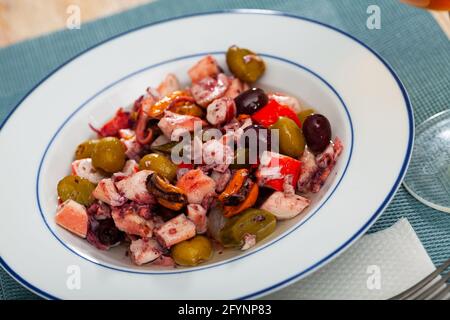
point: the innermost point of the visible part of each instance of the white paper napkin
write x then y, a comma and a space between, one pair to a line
377, 266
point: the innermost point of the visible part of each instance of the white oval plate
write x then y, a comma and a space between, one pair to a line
328, 69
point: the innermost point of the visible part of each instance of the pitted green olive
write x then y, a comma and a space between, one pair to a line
77, 189
192, 252
85, 149
159, 164
245, 64
292, 142
109, 155
260, 223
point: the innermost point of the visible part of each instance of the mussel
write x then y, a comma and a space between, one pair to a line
166, 193
240, 193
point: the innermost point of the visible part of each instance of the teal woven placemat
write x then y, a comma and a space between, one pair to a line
409, 39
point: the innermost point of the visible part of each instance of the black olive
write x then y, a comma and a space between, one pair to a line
250, 101
317, 132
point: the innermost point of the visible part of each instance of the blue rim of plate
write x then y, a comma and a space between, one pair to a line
260, 12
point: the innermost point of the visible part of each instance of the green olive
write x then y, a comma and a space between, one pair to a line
109, 155
190, 110
77, 189
245, 64
192, 252
85, 149
292, 141
160, 164
302, 115
260, 223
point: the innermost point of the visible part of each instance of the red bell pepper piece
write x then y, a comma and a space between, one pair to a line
270, 113
111, 128
186, 165
274, 168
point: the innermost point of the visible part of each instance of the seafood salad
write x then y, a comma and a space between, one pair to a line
192, 170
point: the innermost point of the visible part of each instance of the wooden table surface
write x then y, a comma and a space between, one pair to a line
24, 19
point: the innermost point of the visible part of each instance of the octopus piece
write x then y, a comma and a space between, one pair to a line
134, 187
206, 67
287, 101
217, 155
309, 168
175, 230
128, 220
144, 251
106, 191
221, 179
177, 123
144, 135
285, 206
221, 111
208, 89
99, 210
168, 85
130, 167
73, 216
133, 148
326, 162
236, 88
196, 185
197, 214
84, 169
249, 241
103, 234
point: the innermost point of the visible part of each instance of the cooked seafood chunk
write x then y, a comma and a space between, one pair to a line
73, 216
175, 230
285, 205
168, 85
196, 185
177, 123
84, 169
144, 251
221, 111
134, 187
197, 214
128, 220
208, 89
206, 67
106, 191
